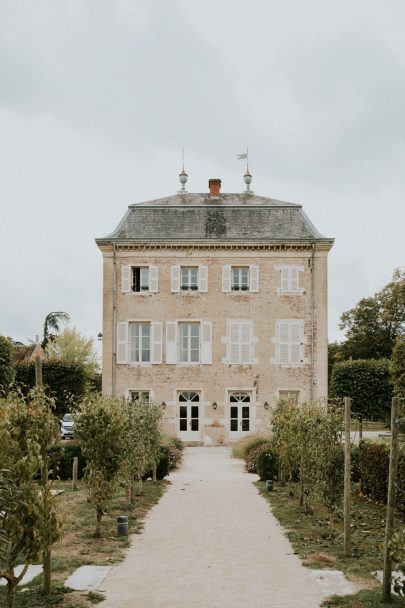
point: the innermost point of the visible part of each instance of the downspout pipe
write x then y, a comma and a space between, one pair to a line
114, 326
312, 321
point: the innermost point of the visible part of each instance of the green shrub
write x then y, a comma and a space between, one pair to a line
62, 460
250, 460
241, 448
66, 383
367, 382
266, 464
163, 466
398, 367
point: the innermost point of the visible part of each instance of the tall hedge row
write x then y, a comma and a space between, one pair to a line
367, 382
66, 383
6, 364
374, 466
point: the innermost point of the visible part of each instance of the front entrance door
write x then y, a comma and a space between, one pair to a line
189, 416
240, 422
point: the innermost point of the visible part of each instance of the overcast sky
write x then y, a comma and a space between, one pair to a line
98, 97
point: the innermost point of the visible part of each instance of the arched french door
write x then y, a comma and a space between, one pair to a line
189, 410
240, 414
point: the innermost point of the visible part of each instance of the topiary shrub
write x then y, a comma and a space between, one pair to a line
6, 365
250, 460
266, 464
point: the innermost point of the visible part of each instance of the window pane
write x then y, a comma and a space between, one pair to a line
144, 277
146, 356
195, 356
183, 424
183, 411
195, 329
194, 424
183, 356
245, 411
234, 425
194, 411
245, 425
234, 411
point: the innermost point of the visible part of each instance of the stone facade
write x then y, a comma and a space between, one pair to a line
213, 400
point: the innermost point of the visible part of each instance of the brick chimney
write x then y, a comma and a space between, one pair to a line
215, 187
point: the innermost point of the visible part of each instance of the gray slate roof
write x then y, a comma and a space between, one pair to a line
199, 218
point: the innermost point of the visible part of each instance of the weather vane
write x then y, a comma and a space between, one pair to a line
247, 177
183, 177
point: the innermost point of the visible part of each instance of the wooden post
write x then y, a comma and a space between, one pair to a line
346, 494
46, 556
389, 524
360, 427
154, 474
74, 472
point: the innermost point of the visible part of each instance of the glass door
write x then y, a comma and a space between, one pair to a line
189, 416
239, 415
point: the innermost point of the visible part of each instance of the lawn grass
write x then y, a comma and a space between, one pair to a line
78, 547
309, 536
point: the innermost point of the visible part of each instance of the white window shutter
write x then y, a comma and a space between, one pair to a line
122, 342
206, 342
126, 279
156, 341
294, 279
175, 279
245, 334
203, 278
226, 277
171, 341
285, 282
233, 342
254, 278
284, 342
153, 279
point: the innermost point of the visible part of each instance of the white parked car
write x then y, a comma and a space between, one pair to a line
66, 426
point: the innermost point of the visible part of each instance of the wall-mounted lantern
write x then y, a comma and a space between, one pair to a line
163, 405
266, 405
214, 405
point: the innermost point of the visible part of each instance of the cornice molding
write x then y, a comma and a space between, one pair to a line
318, 246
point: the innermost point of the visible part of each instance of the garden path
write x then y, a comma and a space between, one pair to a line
211, 542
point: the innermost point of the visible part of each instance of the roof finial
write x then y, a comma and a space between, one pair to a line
183, 177
248, 176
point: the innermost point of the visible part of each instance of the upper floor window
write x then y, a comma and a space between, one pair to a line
139, 279
240, 278
290, 279
239, 342
139, 342
189, 342
189, 278
290, 342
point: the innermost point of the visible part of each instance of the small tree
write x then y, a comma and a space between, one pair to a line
52, 324
29, 524
71, 347
99, 425
398, 368
142, 443
6, 364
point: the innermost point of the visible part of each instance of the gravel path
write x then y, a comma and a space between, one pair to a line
211, 542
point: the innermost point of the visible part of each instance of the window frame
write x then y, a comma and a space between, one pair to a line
139, 392
180, 326
188, 285
140, 349
240, 286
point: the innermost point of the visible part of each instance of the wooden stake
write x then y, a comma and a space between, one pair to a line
38, 371
154, 474
346, 494
389, 524
74, 472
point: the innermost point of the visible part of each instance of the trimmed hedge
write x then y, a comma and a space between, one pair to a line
6, 364
374, 467
62, 460
66, 383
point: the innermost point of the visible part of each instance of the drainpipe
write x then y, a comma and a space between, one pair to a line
114, 326
312, 320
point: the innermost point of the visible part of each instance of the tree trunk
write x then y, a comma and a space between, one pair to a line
301, 494
11, 591
97, 530
131, 492
140, 486
154, 474
331, 522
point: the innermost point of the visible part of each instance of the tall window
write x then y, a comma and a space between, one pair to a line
189, 278
139, 342
240, 278
140, 278
189, 342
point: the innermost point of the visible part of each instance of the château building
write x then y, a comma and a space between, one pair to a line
214, 306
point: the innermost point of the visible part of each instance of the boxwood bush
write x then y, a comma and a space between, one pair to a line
266, 464
251, 457
374, 467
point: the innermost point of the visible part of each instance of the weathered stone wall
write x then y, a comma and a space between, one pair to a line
214, 381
